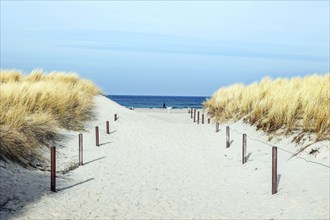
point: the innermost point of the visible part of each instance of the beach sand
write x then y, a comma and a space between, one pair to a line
158, 164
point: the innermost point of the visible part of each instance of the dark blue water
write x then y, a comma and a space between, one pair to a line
158, 101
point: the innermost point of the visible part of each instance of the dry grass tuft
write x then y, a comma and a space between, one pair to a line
34, 106
8, 76
292, 105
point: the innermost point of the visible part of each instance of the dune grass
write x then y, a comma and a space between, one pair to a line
33, 107
297, 105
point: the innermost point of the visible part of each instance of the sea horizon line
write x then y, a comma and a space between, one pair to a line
203, 96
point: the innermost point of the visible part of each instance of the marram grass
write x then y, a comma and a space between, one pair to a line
34, 106
300, 105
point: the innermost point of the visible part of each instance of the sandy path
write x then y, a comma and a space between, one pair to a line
161, 165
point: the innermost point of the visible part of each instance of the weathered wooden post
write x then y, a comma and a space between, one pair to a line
208, 120
80, 149
115, 117
227, 137
194, 115
53, 169
97, 136
274, 170
244, 149
191, 113
217, 127
107, 127
202, 118
198, 117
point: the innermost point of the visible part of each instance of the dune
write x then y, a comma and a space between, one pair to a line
161, 165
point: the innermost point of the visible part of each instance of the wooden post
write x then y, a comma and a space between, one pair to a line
208, 120
194, 115
81, 149
217, 127
227, 137
202, 118
107, 127
191, 113
97, 136
115, 117
244, 149
198, 117
274, 170
53, 169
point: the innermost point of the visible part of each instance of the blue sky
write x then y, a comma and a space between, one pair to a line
167, 47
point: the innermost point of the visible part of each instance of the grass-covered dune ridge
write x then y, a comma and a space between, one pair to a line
34, 106
282, 105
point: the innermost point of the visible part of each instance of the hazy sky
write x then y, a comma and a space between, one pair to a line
167, 47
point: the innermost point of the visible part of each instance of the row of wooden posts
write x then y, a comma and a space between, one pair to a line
80, 136
244, 158
193, 115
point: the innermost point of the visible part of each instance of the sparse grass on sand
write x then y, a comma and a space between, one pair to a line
297, 105
34, 106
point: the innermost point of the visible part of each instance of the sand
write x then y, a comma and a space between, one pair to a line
158, 164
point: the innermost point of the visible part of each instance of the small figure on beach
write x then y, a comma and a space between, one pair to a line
164, 106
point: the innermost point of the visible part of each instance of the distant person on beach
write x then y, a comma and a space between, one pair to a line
164, 106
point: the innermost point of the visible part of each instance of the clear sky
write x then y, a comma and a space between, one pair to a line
167, 47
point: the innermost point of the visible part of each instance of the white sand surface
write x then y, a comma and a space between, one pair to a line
158, 164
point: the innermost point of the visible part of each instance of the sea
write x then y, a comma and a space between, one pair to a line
171, 102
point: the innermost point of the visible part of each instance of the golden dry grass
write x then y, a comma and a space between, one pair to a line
297, 104
34, 106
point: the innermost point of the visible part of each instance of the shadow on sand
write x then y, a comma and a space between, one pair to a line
248, 157
278, 180
100, 158
231, 142
76, 184
20, 187
105, 143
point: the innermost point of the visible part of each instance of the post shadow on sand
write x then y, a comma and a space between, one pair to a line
111, 132
105, 143
278, 181
91, 161
231, 142
76, 184
27, 191
248, 156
